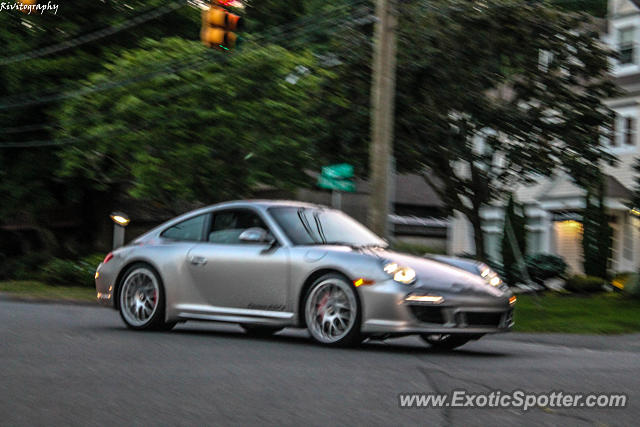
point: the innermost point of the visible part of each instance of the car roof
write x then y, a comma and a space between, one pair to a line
266, 203
261, 203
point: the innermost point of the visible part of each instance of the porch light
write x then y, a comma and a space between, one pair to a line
120, 221
120, 218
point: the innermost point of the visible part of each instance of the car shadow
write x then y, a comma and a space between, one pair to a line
299, 337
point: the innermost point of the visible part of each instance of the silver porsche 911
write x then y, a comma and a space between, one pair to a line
267, 265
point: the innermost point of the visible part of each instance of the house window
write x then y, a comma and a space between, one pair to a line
534, 242
625, 45
629, 130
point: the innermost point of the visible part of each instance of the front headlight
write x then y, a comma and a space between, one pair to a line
490, 276
401, 274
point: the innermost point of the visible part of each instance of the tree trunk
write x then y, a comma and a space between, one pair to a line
480, 197
478, 235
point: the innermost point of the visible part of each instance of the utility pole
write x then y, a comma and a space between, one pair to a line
382, 111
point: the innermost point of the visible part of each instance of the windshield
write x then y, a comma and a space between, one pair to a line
317, 226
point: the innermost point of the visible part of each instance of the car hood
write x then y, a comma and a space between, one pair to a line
437, 276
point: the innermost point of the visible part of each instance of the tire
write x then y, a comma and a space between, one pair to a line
332, 311
260, 331
142, 300
446, 341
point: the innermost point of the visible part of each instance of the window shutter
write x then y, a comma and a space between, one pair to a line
612, 137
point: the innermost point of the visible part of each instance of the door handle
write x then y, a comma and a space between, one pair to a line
198, 260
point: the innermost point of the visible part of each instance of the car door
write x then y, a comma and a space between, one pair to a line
234, 274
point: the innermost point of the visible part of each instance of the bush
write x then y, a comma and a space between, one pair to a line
25, 267
628, 282
584, 284
71, 273
543, 267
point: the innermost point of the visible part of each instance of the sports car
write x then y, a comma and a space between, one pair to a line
267, 265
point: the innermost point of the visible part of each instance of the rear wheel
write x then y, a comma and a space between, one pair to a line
332, 311
142, 300
447, 341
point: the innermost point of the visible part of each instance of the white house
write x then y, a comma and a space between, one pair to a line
554, 205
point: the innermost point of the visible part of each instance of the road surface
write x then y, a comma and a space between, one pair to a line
78, 365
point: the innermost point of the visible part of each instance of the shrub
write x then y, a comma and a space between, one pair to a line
542, 267
71, 273
25, 267
584, 284
628, 282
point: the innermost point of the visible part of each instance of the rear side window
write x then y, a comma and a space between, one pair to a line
227, 226
190, 229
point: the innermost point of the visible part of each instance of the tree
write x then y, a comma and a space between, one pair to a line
29, 186
499, 94
596, 234
203, 134
515, 218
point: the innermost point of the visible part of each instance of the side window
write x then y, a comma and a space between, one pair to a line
227, 226
190, 229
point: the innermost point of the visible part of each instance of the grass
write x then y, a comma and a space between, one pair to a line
30, 289
595, 314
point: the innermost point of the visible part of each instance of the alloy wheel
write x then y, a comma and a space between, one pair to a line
331, 310
139, 297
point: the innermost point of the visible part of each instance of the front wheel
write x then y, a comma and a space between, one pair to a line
142, 300
332, 311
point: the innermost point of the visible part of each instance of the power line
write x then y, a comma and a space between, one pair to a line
96, 35
70, 140
171, 67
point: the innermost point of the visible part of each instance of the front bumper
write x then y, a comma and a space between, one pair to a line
386, 311
106, 275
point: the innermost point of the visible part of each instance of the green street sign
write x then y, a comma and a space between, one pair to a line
336, 184
340, 171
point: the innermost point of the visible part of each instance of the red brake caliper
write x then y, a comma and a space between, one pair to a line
322, 303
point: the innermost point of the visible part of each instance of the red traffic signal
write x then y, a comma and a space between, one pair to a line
218, 26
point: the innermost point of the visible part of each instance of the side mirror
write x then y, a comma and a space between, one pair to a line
255, 235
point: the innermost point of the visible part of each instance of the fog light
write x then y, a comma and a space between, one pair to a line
432, 299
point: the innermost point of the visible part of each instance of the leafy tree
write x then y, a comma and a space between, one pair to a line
203, 134
596, 8
499, 94
597, 234
515, 218
29, 187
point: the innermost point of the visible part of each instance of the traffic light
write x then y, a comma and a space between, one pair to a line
28, 5
218, 26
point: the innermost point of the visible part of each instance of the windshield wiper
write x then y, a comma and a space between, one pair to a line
319, 227
306, 225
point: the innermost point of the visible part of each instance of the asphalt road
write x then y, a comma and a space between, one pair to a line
78, 365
